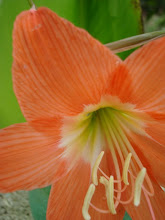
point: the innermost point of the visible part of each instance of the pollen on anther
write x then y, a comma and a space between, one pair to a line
125, 169
87, 200
95, 168
110, 195
138, 185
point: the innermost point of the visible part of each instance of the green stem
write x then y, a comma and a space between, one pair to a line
31, 3
135, 41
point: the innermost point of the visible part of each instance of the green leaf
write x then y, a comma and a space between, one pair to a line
126, 217
38, 202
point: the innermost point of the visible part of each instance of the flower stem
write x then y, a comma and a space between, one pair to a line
31, 3
135, 41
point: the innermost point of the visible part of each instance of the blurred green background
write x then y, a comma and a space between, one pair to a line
106, 20
153, 14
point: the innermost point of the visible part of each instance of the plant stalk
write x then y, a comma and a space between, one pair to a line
135, 41
31, 3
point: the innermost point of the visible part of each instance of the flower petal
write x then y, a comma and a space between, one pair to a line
48, 126
120, 83
140, 79
67, 195
28, 159
152, 155
142, 211
57, 67
146, 66
157, 131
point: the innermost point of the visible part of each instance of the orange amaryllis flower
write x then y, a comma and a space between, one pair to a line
94, 122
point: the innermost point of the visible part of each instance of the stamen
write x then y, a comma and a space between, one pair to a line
122, 190
99, 210
95, 168
107, 177
110, 195
109, 188
125, 169
138, 185
148, 193
150, 206
125, 202
132, 194
151, 187
87, 200
130, 148
104, 181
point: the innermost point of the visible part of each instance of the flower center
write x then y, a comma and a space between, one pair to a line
107, 127
100, 127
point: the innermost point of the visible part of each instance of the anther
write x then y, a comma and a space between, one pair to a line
110, 195
87, 200
138, 185
109, 188
125, 169
95, 168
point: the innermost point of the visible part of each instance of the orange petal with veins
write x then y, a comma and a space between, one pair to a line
142, 212
140, 79
146, 66
152, 156
67, 195
157, 131
29, 159
58, 68
48, 126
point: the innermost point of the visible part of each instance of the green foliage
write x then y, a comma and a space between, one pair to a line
106, 20
38, 202
155, 22
151, 7
9, 109
126, 217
